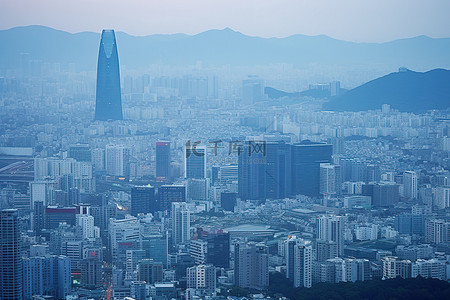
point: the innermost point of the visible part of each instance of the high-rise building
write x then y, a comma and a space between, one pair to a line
198, 249
393, 267
124, 232
251, 266
168, 194
289, 248
195, 161
218, 249
11, 269
162, 160
410, 188
442, 197
42, 191
331, 228
326, 250
303, 264
437, 231
156, 247
264, 170
143, 200
91, 268
252, 90
150, 271
383, 193
306, 159
46, 275
80, 152
108, 98
181, 223
228, 200
198, 189
117, 160
201, 277
330, 179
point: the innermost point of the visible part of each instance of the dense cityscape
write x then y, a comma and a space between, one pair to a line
192, 183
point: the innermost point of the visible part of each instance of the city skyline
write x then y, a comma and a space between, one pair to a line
222, 165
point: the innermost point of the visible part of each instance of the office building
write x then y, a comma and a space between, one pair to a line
117, 160
201, 277
143, 200
11, 268
124, 234
252, 90
330, 179
108, 105
88, 230
168, 194
303, 264
442, 197
156, 247
195, 161
181, 223
264, 170
437, 231
383, 194
306, 159
410, 188
80, 152
91, 269
163, 161
326, 250
150, 271
251, 266
198, 249
46, 275
218, 249
42, 191
331, 228
228, 200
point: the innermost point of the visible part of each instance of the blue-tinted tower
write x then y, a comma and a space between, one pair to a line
108, 100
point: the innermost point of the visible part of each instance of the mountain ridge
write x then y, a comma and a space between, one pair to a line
406, 90
219, 47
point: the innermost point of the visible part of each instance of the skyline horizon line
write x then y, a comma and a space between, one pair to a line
224, 29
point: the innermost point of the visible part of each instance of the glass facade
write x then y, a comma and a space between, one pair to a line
108, 98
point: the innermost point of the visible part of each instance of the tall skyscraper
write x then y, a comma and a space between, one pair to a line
331, 228
10, 256
195, 161
143, 200
108, 98
264, 171
162, 160
306, 159
181, 223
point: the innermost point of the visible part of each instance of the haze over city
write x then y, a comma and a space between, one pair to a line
158, 150
351, 20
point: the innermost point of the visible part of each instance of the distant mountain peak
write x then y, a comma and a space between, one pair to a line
406, 90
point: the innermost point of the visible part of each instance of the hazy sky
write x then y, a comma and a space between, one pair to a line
355, 20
